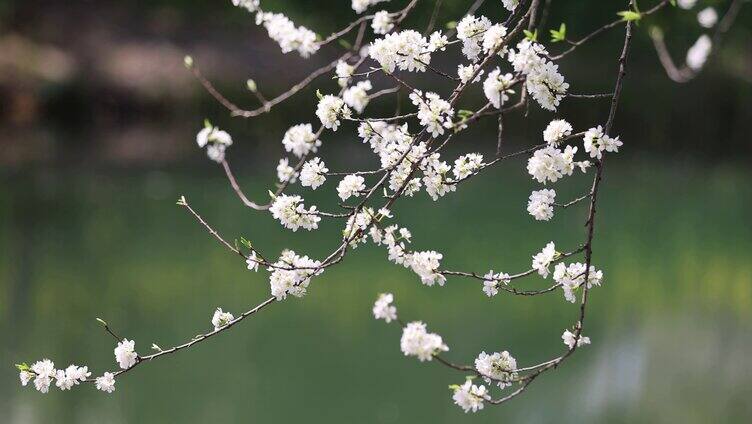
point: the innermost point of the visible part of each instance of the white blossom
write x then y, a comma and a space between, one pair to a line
572, 276
253, 261
360, 6
510, 5
540, 204
466, 165
301, 140
289, 37
249, 5
106, 383
493, 37
686, 4
470, 397
383, 308
556, 130
596, 142
465, 72
707, 18
551, 164
497, 87
569, 339
125, 354
285, 172
330, 109
434, 112
215, 140
71, 376
382, 22
351, 185
357, 96
491, 282
344, 72
417, 341
425, 264
221, 318
407, 50
313, 173
471, 31
45, 371
437, 41
698, 54
292, 214
291, 274
543, 259
497, 367
25, 377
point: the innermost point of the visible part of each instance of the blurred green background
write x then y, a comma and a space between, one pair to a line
98, 116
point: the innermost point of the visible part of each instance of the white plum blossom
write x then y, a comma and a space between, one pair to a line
510, 5
215, 140
550, 164
71, 376
437, 41
707, 18
106, 382
569, 339
221, 318
351, 185
406, 50
25, 376
125, 354
491, 282
556, 130
572, 276
360, 6
493, 38
497, 87
382, 22
596, 142
425, 265
540, 204
544, 82
498, 367
417, 341
253, 261
301, 140
44, 371
313, 173
543, 259
383, 308
249, 5
466, 165
471, 31
285, 172
282, 30
465, 72
470, 397
291, 274
686, 4
330, 109
344, 72
292, 214
698, 54
357, 96
434, 112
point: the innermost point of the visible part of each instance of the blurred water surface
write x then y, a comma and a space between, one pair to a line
671, 325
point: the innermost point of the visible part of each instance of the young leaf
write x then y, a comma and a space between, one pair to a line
630, 15
532, 36
559, 35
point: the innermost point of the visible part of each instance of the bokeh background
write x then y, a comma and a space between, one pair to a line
98, 117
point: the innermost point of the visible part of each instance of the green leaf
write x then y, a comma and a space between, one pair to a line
251, 84
464, 113
673, 2
246, 243
630, 15
559, 35
22, 367
532, 36
344, 43
101, 321
319, 95
451, 25
207, 124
